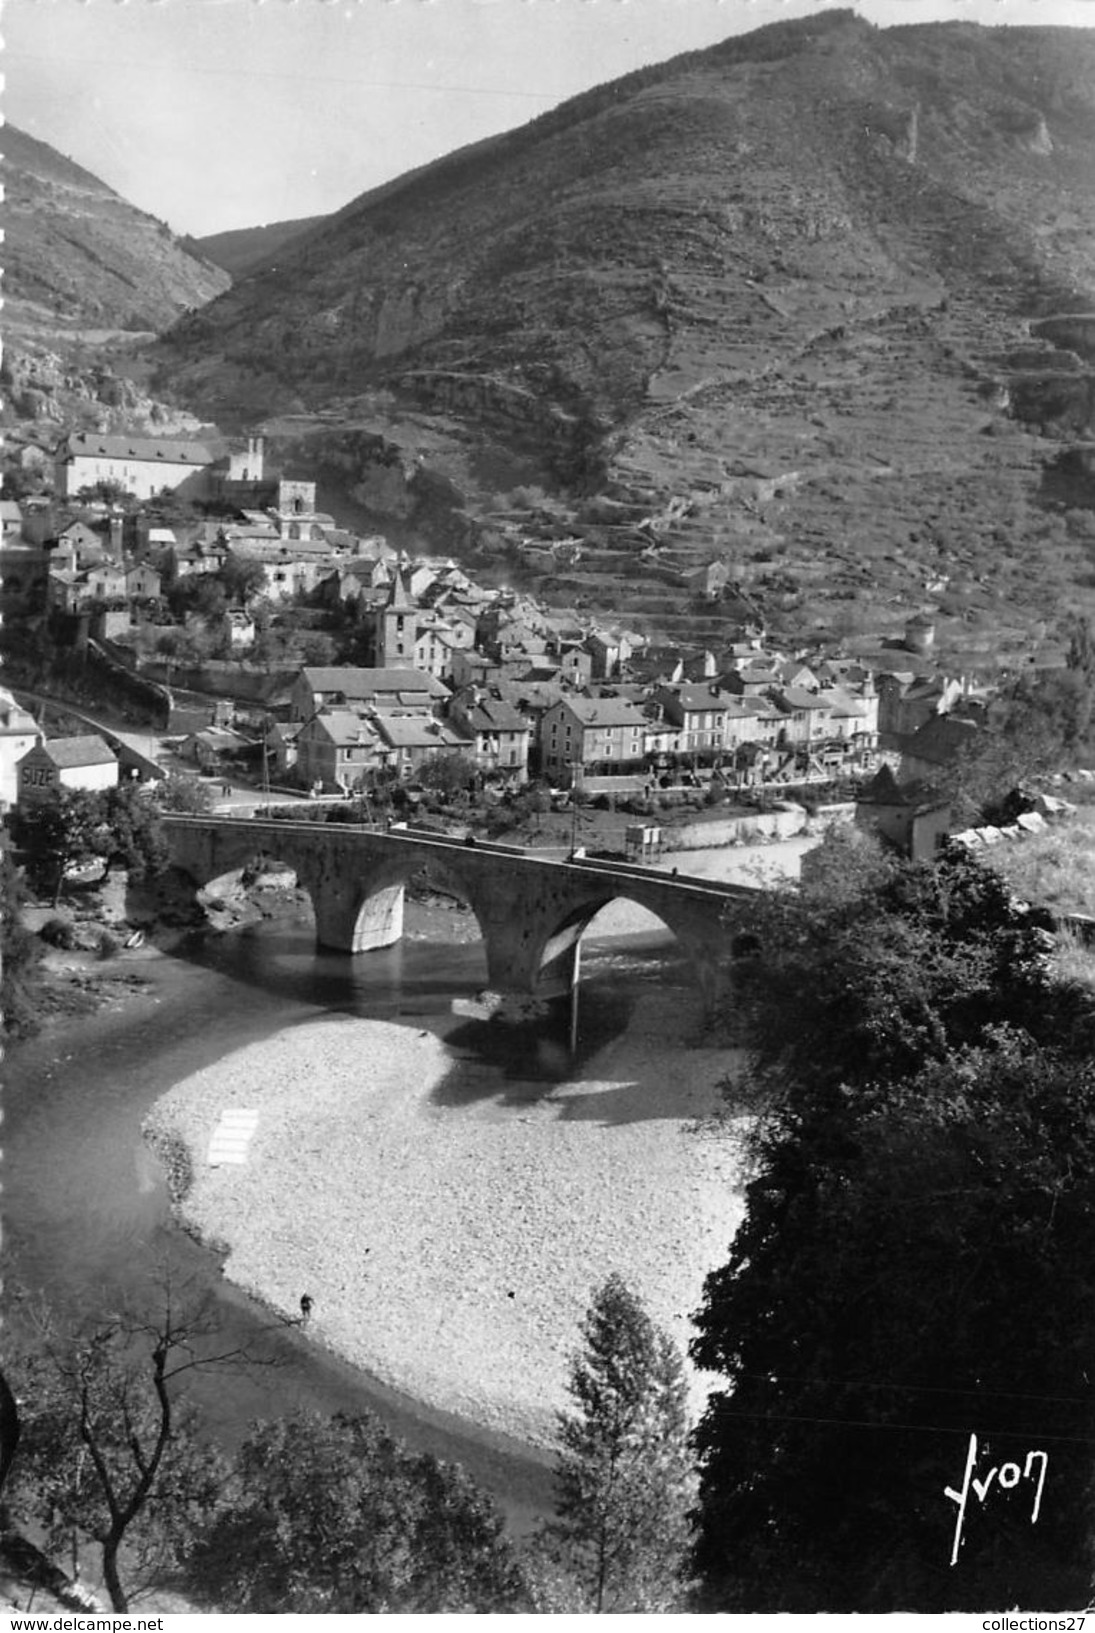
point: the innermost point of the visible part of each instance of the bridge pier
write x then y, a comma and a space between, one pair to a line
357, 925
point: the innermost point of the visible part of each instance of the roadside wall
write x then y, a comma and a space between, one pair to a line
747, 830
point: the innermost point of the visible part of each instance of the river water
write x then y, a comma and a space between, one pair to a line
86, 1216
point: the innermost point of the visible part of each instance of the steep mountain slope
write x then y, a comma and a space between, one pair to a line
84, 272
765, 299
75, 251
247, 249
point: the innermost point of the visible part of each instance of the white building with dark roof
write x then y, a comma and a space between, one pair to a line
143, 466
66, 762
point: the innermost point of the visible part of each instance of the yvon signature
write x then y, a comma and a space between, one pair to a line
1008, 1476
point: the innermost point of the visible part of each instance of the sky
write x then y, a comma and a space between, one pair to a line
217, 114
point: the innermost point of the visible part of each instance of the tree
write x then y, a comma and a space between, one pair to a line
109, 1446
129, 833
332, 1515
914, 1267
20, 955
56, 834
242, 579
874, 966
448, 774
624, 1478
916, 1177
199, 593
183, 794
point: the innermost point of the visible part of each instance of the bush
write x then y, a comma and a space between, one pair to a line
109, 945
58, 932
175, 1159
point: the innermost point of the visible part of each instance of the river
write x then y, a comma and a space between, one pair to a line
86, 1216
87, 1222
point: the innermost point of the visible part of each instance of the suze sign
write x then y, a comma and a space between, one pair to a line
38, 776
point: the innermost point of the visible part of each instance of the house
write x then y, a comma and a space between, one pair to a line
216, 747
19, 732
753, 680
207, 553
500, 732
806, 716
281, 746
751, 720
907, 702
586, 736
241, 629
66, 762
708, 582
407, 741
103, 583
910, 817
315, 689
142, 582
77, 547
576, 667
11, 520
853, 717
336, 750
290, 567
471, 668
143, 466
699, 714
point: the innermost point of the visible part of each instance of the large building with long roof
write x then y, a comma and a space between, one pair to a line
143, 466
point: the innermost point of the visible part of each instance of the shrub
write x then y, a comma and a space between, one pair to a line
175, 1159
58, 932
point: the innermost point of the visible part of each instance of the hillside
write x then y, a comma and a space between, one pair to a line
774, 302
84, 272
247, 249
77, 252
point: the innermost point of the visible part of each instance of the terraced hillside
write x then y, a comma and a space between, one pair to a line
772, 303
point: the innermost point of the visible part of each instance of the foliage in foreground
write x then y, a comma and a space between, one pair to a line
334, 1516
117, 826
20, 953
914, 1266
624, 1473
109, 1445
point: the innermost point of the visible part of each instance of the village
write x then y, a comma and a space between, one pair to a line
385, 669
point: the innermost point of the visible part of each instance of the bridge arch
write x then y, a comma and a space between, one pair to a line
374, 906
553, 953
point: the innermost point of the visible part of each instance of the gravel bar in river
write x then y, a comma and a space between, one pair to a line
450, 1241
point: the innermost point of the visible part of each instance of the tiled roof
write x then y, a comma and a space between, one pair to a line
695, 697
794, 697
492, 714
69, 752
366, 683
341, 727
604, 711
154, 450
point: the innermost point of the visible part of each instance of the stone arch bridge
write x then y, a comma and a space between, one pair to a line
531, 910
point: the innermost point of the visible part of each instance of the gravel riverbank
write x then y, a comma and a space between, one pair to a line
450, 1228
